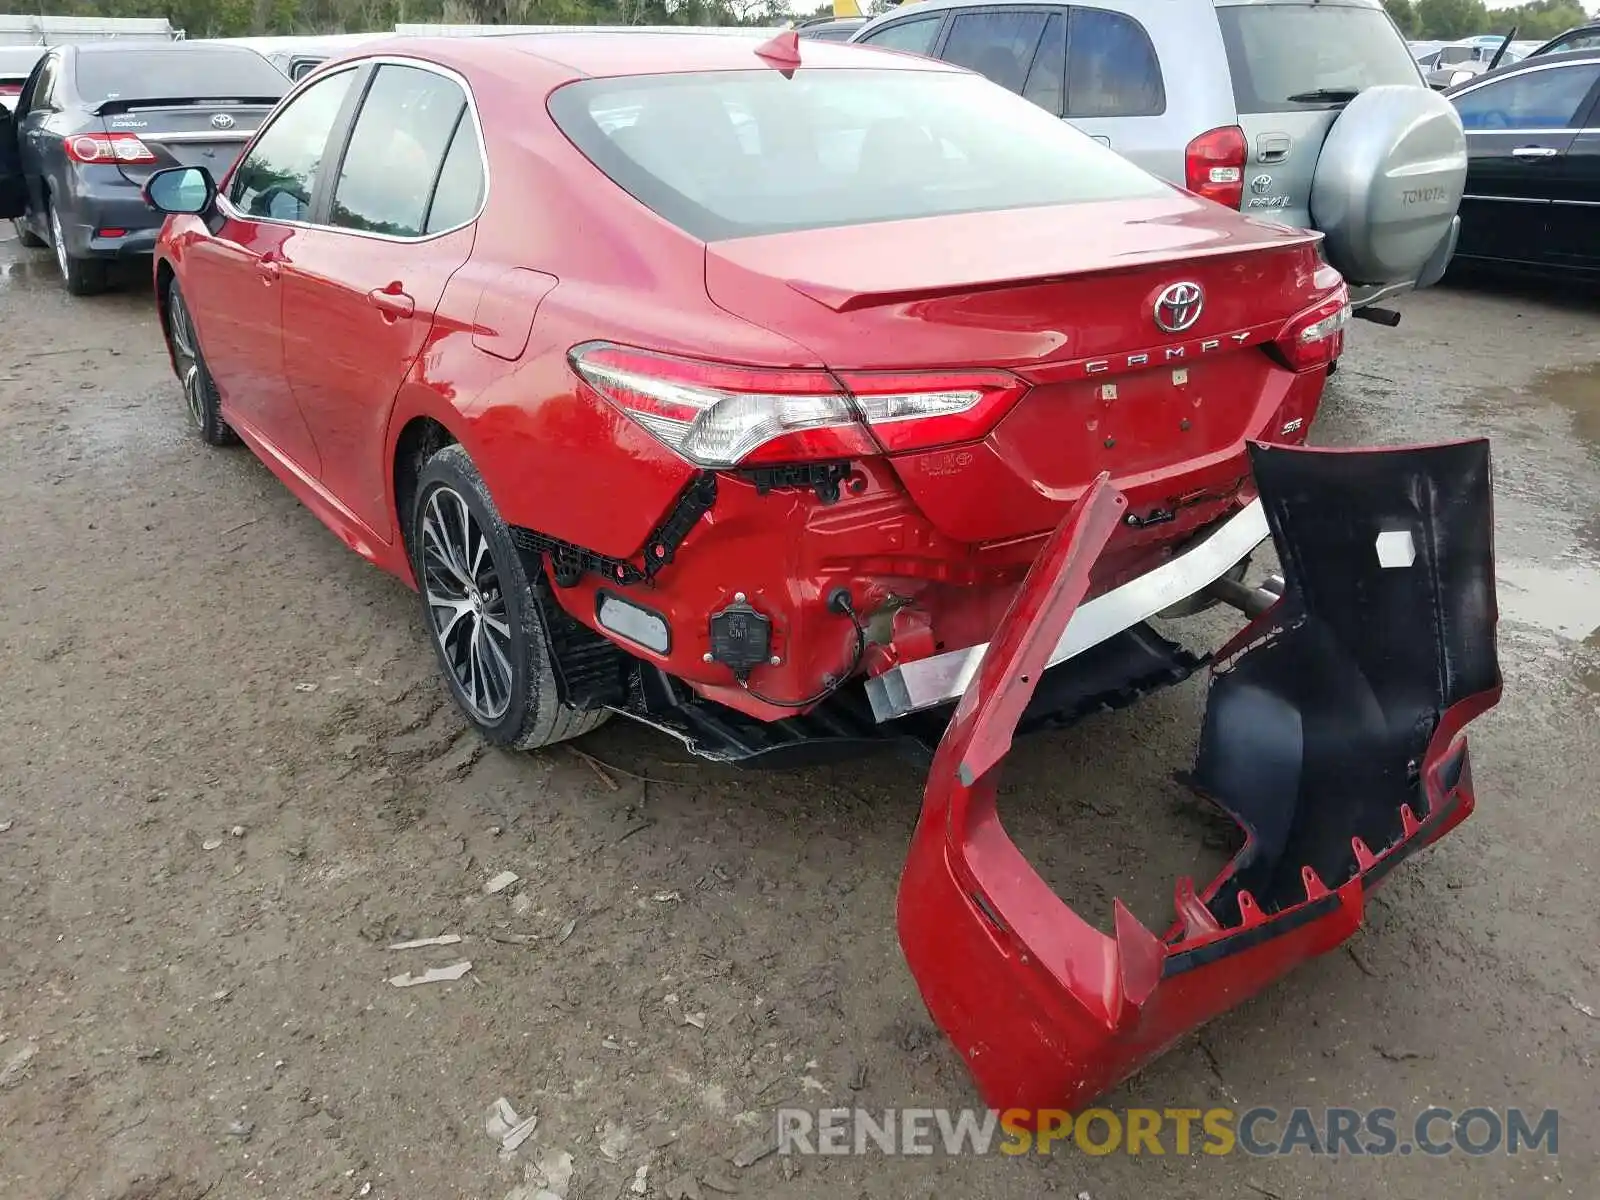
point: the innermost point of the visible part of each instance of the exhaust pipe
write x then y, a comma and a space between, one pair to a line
1251, 601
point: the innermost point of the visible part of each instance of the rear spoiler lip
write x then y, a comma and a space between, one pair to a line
124, 104
844, 299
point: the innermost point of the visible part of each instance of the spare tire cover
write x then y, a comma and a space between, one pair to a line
1388, 182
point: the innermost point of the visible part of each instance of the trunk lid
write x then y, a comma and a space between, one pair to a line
1065, 297
185, 133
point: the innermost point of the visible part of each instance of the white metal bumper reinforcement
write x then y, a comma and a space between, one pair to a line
942, 678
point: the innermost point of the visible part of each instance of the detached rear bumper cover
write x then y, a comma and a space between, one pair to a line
1332, 735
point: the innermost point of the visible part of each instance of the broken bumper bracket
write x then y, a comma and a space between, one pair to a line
1333, 736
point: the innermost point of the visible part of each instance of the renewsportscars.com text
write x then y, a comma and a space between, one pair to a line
1433, 1131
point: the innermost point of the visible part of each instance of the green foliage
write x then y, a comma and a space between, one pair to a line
1447, 20
1442, 20
240, 18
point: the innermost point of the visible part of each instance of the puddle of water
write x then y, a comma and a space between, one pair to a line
1576, 389
19, 273
1562, 599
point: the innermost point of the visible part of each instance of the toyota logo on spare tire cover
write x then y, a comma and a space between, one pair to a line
1178, 307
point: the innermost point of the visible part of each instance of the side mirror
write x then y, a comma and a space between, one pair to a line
181, 190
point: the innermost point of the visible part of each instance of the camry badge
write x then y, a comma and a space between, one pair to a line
1178, 307
222, 121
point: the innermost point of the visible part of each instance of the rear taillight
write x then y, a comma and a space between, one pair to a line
1315, 337
10, 89
108, 148
720, 415
920, 409
1213, 165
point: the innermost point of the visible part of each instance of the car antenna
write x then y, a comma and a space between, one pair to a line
1500, 53
781, 51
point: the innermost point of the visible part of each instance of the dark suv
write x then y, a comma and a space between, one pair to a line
94, 121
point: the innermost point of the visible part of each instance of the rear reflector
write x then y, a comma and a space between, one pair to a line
108, 148
642, 626
721, 415
1213, 165
110, 233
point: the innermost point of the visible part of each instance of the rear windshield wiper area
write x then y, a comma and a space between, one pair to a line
1325, 96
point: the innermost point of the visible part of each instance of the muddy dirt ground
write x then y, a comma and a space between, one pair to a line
228, 779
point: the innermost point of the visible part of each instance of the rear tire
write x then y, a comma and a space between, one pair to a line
199, 389
26, 236
481, 614
82, 276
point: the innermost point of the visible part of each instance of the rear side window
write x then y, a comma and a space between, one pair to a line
399, 140
736, 153
189, 73
1044, 86
1285, 57
459, 192
1547, 99
913, 37
275, 179
1111, 67
997, 45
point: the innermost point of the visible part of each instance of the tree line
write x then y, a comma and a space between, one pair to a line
1443, 20
243, 18
1447, 20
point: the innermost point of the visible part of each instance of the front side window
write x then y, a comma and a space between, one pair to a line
997, 45
1111, 67
1547, 99
728, 154
276, 178
396, 148
912, 37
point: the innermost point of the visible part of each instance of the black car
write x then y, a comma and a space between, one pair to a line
94, 121
1533, 170
1580, 37
830, 29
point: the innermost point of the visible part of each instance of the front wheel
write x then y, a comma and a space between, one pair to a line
199, 389
82, 276
481, 614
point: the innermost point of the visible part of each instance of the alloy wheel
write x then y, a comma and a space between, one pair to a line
467, 604
59, 241
187, 357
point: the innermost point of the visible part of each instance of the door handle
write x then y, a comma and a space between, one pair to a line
393, 303
269, 269
1534, 152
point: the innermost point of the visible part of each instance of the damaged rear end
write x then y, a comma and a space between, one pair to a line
1332, 736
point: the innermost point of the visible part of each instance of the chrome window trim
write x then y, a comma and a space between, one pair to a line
230, 135
1508, 199
400, 60
1536, 132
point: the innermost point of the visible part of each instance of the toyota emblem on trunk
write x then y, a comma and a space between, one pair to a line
222, 121
1178, 307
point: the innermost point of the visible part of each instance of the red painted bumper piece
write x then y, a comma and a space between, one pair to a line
1332, 736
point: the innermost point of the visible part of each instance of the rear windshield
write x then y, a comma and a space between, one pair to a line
737, 153
1280, 50
191, 73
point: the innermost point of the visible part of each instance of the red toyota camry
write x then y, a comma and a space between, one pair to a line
782, 395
